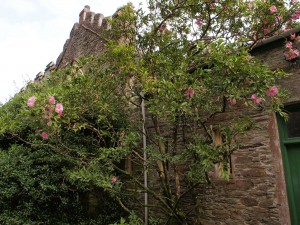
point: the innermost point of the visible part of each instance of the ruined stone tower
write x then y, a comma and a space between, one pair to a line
85, 40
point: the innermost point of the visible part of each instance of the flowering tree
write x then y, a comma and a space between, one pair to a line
188, 61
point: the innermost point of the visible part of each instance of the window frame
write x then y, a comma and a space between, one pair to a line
284, 142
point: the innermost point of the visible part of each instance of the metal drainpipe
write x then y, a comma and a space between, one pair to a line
145, 159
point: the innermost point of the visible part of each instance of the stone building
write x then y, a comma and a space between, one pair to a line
264, 187
84, 40
265, 183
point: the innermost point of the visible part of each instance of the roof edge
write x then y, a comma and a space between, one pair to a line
275, 38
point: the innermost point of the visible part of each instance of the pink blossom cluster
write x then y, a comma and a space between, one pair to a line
199, 22
50, 111
44, 135
31, 102
296, 15
162, 27
52, 100
255, 99
289, 45
278, 18
271, 92
189, 93
293, 36
58, 109
267, 31
113, 180
292, 53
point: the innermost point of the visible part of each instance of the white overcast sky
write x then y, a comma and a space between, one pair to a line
33, 33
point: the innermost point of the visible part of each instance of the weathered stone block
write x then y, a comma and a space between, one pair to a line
249, 202
257, 172
244, 185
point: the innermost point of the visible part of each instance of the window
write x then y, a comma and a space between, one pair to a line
293, 124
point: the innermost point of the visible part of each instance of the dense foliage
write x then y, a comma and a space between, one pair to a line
79, 132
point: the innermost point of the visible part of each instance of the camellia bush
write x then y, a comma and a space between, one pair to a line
72, 144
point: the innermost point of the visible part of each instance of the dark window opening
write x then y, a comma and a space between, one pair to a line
293, 124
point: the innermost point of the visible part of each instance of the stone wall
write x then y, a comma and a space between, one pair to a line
256, 192
250, 196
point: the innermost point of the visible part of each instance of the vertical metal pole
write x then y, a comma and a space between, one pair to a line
145, 159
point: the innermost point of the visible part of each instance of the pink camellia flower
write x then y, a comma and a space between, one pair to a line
162, 27
273, 9
189, 93
199, 22
31, 102
44, 135
49, 122
59, 108
291, 54
289, 45
266, 31
278, 18
255, 99
293, 36
113, 180
50, 109
232, 101
253, 96
272, 91
52, 100
296, 15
